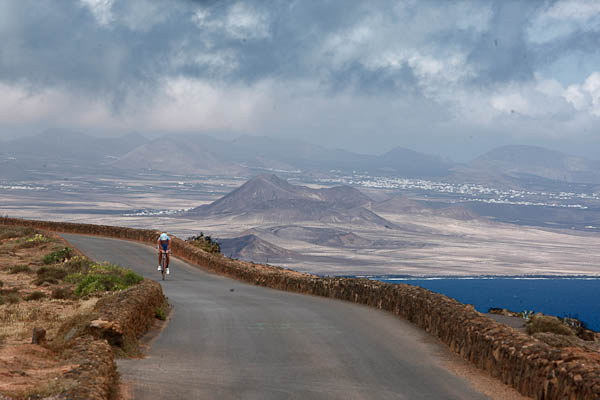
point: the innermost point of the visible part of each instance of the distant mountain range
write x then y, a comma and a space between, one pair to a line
61, 145
507, 166
268, 198
524, 162
203, 154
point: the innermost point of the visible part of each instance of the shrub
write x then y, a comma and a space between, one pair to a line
15, 269
52, 274
77, 264
102, 278
35, 239
206, 243
12, 298
58, 256
35, 296
61, 293
547, 323
15, 232
160, 312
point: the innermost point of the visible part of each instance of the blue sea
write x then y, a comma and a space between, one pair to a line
576, 297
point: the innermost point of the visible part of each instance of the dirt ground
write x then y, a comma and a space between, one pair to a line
30, 369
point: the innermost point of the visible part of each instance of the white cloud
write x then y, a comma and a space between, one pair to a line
51, 107
101, 9
576, 10
244, 22
564, 18
586, 96
240, 22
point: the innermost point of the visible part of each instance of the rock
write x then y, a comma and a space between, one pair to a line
101, 324
70, 334
555, 340
39, 336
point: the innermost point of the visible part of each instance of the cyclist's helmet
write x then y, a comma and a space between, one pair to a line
163, 237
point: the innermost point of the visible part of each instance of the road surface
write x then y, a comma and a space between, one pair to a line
229, 340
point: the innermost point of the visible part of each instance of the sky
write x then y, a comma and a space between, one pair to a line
454, 78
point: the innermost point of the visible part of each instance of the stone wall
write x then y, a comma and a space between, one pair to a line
534, 368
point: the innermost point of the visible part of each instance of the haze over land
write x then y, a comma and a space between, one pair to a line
384, 219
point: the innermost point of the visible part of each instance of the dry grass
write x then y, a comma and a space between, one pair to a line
29, 371
548, 324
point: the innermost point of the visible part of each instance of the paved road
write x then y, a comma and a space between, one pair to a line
259, 343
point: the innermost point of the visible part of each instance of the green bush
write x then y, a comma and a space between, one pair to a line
77, 264
32, 241
102, 278
58, 256
15, 269
547, 323
160, 312
35, 296
206, 243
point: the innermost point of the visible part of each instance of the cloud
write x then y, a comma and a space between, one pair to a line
367, 75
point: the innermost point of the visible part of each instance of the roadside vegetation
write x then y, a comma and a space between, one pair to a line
44, 284
206, 243
555, 331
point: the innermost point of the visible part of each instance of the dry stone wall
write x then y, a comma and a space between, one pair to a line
534, 368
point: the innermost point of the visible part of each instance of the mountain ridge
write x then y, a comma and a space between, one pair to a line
267, 197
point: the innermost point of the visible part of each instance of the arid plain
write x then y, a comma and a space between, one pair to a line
420, 242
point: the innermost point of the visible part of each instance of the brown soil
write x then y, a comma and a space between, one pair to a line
28, 369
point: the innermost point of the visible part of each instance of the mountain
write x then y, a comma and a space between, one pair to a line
178, 157
523, 163
268, 198
252, 248
268, 191
68, 145
411, 164
256, 153
320, 236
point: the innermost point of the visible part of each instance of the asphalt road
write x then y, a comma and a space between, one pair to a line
260, 343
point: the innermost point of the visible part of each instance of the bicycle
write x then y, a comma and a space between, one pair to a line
163, 263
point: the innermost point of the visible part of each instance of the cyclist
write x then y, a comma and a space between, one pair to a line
164, 246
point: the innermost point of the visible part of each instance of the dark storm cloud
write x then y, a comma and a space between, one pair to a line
502, 54
62, 43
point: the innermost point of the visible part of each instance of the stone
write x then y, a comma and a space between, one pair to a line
70, 334
101, 324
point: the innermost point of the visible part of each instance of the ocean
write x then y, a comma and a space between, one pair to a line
576, 297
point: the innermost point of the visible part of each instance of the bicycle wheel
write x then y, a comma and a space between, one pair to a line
163, 262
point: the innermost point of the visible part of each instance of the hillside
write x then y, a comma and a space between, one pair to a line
524, 163
411, 164
261, 153
252, 248
321, 236
177, 157
267, 198
67, 145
